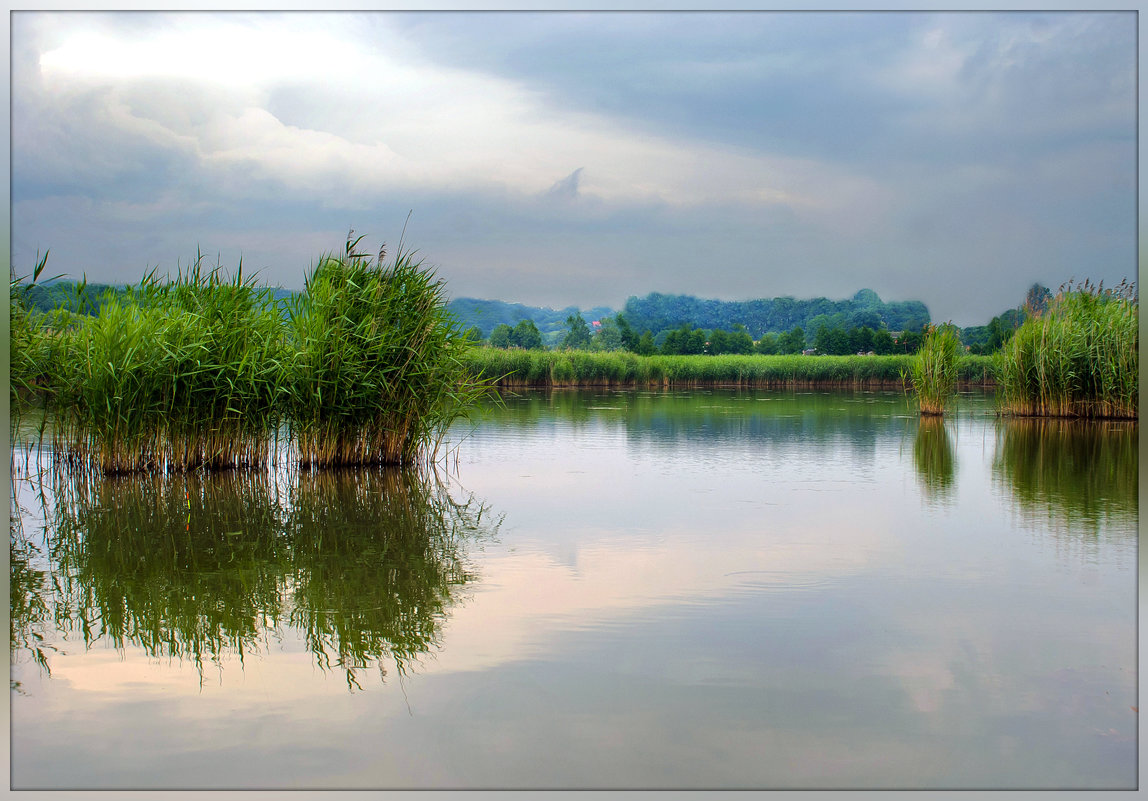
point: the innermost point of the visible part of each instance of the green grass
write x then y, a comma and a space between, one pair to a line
933, 372
205, 371
1080, 358
374, 373
521, 368
169, 376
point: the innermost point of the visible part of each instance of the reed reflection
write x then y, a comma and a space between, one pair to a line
30, 617
934, 459
365, 565
1079, 475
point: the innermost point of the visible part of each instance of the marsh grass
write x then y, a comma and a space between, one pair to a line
29, 347
933, 371
514, 368
174, 376
1079, 358
375, 371
209, 371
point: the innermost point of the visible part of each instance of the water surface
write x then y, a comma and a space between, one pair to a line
707, 589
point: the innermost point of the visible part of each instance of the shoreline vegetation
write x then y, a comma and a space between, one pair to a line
934, 371
572, 369
1080, 357
367, 366
210, 371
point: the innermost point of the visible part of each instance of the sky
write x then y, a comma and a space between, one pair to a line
561, 159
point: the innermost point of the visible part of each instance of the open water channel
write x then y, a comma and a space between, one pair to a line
703, 589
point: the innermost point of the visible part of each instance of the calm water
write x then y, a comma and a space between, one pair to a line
609, 589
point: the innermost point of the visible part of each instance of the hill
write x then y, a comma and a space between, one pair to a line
486, 314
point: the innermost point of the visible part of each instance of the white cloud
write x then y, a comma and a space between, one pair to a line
390, 119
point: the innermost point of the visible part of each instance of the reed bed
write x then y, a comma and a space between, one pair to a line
1079, 358
210, 371
29, 349
375, 368
933, 372
170, 376
521, 368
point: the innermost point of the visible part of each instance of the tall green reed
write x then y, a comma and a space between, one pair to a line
172, 375
1079, 358
375, 373
934, 370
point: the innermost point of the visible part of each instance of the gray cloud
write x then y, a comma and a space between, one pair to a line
954, 158
565, 189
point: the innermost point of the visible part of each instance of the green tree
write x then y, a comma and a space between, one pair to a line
629, 336
832, 341
792, 341
910, 341
474, 334
646, 346
577, 334
736, 341
718, 342
526, 336
608, 336
500, 336
684, 341
767, 344
861, 340
1036, 299
883, 344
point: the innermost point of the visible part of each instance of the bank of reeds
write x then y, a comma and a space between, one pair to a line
169, 376
375, 373
1078, 358
206, 371
516, 368
28, 347
933, 371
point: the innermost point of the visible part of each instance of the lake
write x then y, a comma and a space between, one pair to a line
599, 589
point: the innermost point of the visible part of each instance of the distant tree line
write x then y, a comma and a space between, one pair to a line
861, 324
658, 312
616, 333
830, 336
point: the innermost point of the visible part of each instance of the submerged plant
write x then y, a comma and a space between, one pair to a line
934, 369
1079, 358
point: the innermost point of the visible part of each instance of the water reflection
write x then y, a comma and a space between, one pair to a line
1074, 475
30, 617
364, 565
934, 459
828, 421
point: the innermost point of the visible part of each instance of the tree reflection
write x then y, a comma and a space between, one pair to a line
1076, 474
934, 459
365, 565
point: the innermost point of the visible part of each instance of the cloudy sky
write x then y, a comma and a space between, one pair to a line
580, 158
